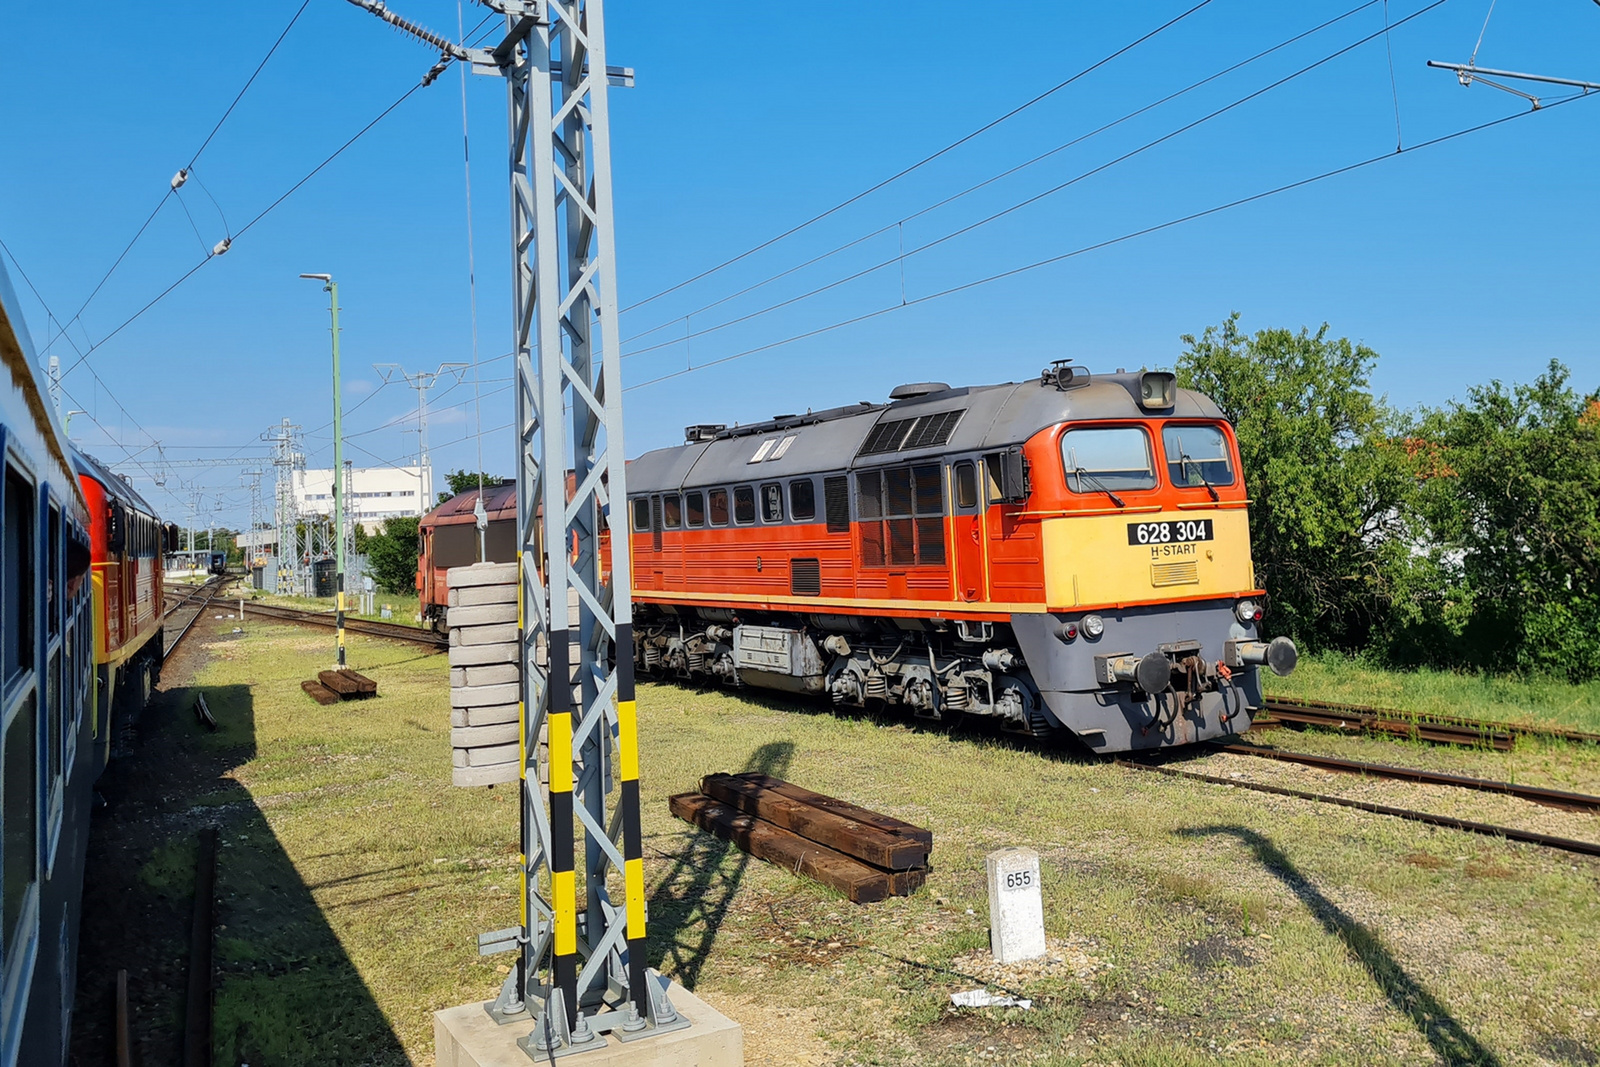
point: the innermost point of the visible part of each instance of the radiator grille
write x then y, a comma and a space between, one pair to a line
805, 577
1174, 573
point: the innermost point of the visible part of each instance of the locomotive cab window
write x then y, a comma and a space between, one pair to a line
672, 511
772, 502
718, 500
641, 514
744, 505
802, 500
1102, 459
694, 506
1197, 456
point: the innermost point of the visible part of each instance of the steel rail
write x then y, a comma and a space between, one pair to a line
1555, 798
200, 609
1508, 833
1446, 728
1354, 719
392, 630
191, 592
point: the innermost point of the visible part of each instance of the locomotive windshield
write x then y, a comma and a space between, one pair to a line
1196, 456
1106, 458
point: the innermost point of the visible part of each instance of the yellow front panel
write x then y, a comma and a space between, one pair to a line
1088, 561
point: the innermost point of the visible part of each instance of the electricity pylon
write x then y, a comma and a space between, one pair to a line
578, 983
422, 381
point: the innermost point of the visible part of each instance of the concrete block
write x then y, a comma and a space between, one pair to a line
501, 674
483, 757
1016, 907
484, 655
482, 574
482, 614
458, 717
497, 774
467, 1037
474, 595
478, 736
483, 635
489, 716
478, 696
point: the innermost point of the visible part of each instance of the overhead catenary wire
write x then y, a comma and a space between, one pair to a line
1009, 172
173, 188
1037, 197
1142, 232
924, 161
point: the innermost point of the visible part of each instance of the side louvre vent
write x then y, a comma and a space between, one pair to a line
805, 577
655, 523
836, 501
924, 431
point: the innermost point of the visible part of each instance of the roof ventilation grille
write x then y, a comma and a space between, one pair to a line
912, 390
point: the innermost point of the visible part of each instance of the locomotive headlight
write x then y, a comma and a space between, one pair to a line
1248, 611
1093, 626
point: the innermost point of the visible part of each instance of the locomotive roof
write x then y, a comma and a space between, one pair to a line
977, 418
499, 501
115, 486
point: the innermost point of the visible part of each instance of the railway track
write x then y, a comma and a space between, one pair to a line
199, 599
1508, 833
393, 630
1437, 728
1554, 798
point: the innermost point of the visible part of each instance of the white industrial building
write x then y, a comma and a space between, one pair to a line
376, 493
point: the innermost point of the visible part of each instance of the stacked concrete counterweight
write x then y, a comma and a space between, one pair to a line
484, 681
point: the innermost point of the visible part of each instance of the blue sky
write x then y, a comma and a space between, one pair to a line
1457, 263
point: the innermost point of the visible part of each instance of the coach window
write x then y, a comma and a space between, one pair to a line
1196, 456
718, 499
19, 719
1106, 459
802, 500
744, 505
694, 506
641, 514
672, 511
772, 502
966, 479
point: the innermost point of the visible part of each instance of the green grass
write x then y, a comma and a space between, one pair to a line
1220, 926
1338, 678
405, 606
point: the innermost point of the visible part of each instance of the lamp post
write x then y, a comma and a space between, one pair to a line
331, 287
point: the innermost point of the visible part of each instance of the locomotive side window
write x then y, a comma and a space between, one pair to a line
672, 511
694, 506
836, 498
744, 505
1105, 459
641, 514
1196, 456
902, 516
718, 499
802, 499
772, 502
966, 477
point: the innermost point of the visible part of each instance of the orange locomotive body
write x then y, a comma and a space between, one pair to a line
1070, 553
127, 541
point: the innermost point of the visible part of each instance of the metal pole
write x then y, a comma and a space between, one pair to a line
331, 287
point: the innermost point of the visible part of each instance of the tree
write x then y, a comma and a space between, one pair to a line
462, 480
1328, 475
392, 555
1514, 510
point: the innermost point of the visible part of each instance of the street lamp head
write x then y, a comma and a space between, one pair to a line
319, 277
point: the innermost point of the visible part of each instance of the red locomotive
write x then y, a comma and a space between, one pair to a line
127, 543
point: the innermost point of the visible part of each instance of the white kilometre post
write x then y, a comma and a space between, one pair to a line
1016, 906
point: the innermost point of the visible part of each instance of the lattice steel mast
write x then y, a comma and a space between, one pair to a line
576, 983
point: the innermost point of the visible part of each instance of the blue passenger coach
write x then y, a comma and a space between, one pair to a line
47, 697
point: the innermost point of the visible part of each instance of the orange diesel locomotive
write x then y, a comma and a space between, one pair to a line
1067, 553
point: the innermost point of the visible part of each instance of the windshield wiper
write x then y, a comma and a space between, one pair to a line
1184, 459
1097, 484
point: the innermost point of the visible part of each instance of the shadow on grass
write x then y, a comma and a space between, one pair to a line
689, 904
1450, 1041
285, 991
